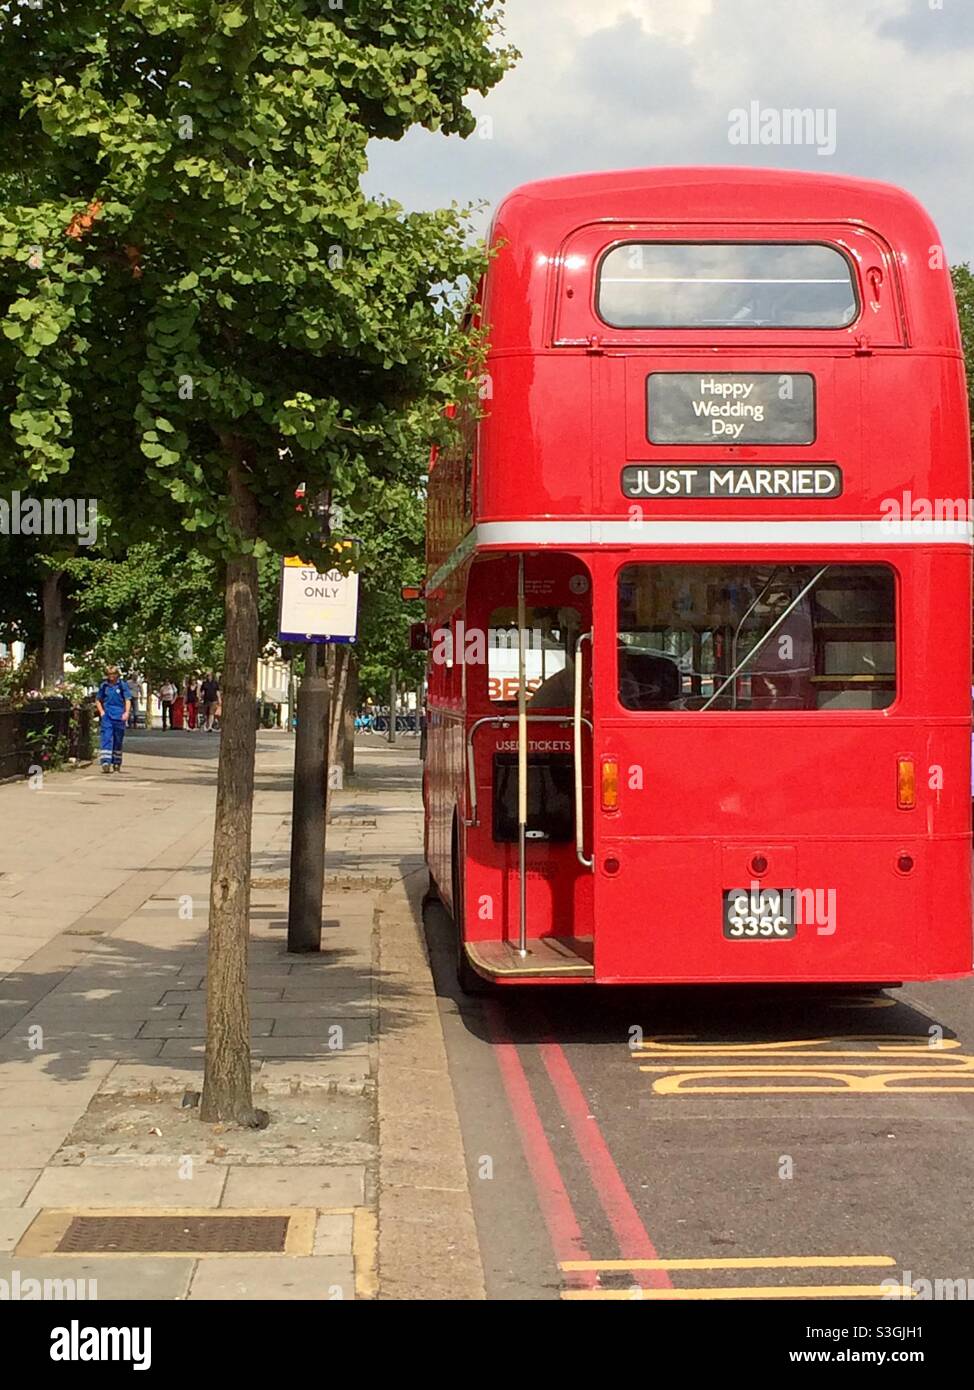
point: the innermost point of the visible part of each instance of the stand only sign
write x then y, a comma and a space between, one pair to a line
317, 607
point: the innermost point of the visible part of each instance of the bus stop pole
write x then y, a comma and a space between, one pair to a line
309, 808
522, 763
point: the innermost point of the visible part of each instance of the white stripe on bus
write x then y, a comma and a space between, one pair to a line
535, 534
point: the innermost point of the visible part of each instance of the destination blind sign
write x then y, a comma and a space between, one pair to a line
731, 408
659, 480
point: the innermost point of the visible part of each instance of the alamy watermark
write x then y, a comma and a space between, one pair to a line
926, 1289
18, 1289
948, 516
789, 125
49, 516
774, 912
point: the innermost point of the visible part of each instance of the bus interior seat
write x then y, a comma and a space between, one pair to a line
647, 681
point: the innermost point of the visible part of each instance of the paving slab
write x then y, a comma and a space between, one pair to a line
341, 1185
144, 1277
333, 1233
31, 1150
276, 1278
22, 1119
15, 1184
94, 1185
13, 1223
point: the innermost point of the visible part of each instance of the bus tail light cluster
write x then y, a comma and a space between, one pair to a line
906, 784
610, 784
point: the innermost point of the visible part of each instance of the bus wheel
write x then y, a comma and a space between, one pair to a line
467, 978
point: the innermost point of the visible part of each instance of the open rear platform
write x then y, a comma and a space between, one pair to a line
548, 956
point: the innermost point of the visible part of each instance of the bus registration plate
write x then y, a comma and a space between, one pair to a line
759, 914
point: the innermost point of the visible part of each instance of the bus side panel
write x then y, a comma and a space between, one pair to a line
945, 946
662, 920
830, 828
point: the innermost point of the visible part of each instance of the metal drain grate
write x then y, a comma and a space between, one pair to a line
192, 1235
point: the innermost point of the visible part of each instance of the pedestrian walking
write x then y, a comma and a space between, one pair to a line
192, 703
114, 704
167, 695
211, 701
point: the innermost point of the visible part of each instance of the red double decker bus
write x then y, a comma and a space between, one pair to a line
699, 592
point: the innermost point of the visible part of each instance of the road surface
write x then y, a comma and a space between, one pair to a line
733, 1143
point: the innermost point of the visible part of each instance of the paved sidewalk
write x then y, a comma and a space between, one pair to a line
103, 906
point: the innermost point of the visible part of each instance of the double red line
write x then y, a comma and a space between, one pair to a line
554, 1200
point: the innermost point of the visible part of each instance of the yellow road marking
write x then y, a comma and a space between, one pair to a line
961, 1060
682, 1083
365, 1238
725, 1068
865, 1001
740, 1262
637, 1295
888, 1043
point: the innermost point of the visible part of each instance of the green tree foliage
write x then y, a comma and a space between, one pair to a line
390, 532
196, 274
137, 612
200, 307
964, 291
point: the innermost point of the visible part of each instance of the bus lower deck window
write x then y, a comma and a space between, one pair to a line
760, 636
658, 284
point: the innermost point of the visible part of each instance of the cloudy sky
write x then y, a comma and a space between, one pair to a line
610, 84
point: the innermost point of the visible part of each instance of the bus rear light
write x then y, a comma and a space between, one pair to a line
610, 784
906, 784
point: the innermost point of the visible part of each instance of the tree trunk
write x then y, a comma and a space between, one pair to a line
57, 616
227, 1093
393, 696
349, 713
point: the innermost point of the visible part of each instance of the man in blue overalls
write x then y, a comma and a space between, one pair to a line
114, 702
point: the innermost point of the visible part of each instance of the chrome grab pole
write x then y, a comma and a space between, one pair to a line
522, 764
585, 860
770, 633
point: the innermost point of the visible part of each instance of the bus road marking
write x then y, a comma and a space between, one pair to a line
630, 1233
718, 1264
554, 1202
637, 1295
864, 1001
891, 1065
888, 1042
742, 1262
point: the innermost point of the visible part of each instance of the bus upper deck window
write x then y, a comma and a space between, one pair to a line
658, 284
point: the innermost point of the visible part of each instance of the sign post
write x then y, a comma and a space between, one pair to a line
315, 609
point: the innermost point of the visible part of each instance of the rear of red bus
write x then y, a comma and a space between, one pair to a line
727, 455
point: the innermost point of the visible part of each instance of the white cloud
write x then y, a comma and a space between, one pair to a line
674, 18
627, 83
